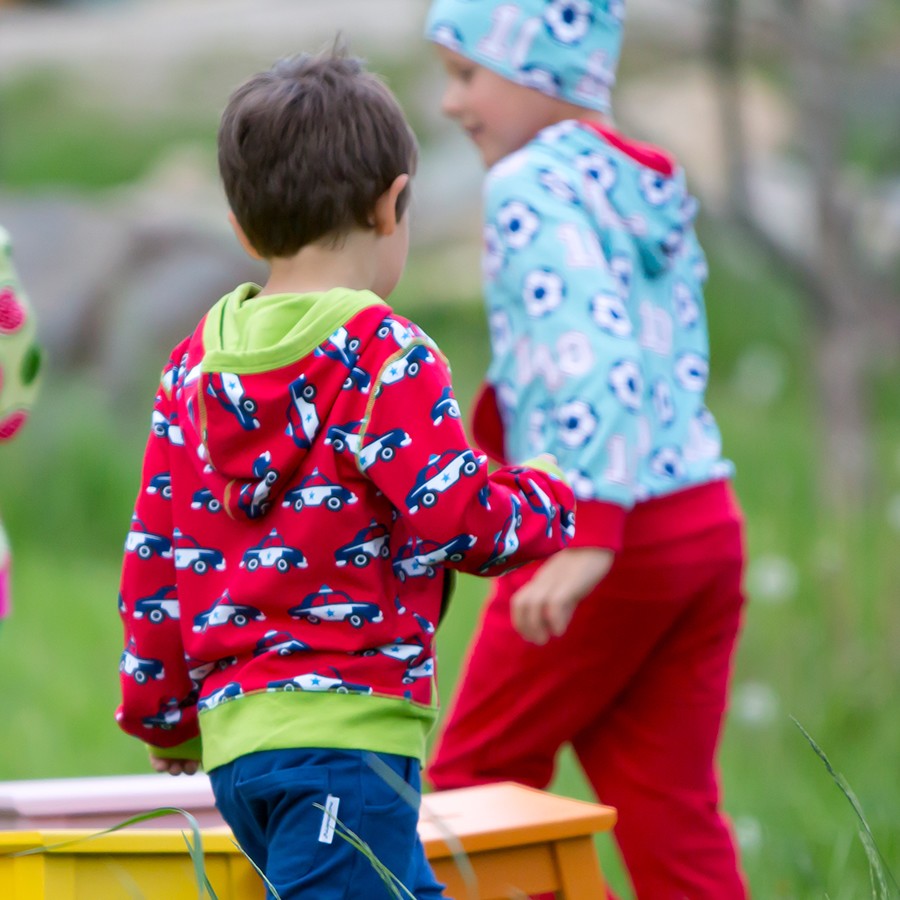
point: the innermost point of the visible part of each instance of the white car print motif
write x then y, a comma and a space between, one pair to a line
383, 447
441, 473
397, 650
303, 419
419, 557
138, 668
159, 606
167, 428
227, 388
167, 718
317, 490
423, 670
253, 497
328, 605
400, 333
507, 540
368, 544
342, 437
232, 689
224, 611
281, 643
190, 555
407, 366
273, 552
313, 681
145, 543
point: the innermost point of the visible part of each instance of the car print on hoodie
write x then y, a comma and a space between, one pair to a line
311, 480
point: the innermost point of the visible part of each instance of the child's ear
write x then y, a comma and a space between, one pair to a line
243, 240
385, 213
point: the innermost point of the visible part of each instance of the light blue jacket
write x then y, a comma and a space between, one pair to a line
594, 289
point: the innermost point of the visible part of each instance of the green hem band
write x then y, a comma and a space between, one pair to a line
192, 749
281, 720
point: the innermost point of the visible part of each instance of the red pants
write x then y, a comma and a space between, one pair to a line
638, 685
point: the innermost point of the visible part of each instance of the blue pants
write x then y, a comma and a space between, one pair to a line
269, 800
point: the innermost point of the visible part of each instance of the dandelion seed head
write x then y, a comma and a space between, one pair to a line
772, 579
754, 703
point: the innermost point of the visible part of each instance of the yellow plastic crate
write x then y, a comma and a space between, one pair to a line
518, 841
150, 863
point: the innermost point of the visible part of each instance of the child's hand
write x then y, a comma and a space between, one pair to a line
543, 607
174, 766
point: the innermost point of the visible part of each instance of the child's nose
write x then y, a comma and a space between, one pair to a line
450, 101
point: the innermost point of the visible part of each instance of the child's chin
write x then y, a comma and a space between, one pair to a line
489, 158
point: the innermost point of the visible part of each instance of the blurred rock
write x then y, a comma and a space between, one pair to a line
111, 287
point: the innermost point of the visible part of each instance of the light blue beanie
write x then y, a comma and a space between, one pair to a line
565, 48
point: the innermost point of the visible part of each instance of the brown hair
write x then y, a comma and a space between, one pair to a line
307, 147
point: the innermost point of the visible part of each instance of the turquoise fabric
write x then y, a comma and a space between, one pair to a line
563, 48
593, 280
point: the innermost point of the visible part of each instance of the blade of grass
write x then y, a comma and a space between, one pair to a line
460, 857
391, 881
879, 873
195, 850
202, 874
259, 871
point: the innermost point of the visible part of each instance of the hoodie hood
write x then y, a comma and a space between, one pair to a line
259, 376
641, 188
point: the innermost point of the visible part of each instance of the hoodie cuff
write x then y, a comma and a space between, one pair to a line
598, 524
546, 463
192, 749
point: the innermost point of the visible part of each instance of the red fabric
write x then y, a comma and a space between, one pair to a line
638, 685
646, 154
599, 524
663, 522
487, 426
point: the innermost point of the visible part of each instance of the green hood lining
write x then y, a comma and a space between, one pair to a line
244, 334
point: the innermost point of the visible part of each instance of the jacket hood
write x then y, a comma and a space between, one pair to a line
259, 376
648, 194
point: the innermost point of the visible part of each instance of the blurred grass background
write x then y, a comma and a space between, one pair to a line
822, 634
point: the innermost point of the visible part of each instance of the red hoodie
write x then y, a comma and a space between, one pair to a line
306, 483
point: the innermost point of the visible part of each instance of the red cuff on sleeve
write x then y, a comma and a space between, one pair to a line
598, 524
487, 426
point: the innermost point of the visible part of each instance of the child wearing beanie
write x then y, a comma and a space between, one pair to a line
622, 643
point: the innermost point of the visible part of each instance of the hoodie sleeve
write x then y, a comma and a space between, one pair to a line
415, 450
158, 697
566, 369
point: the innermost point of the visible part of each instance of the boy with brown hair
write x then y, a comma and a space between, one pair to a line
306, 487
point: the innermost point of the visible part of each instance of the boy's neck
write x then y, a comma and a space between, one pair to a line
347, 262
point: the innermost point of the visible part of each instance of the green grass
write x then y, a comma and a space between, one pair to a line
53, 133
